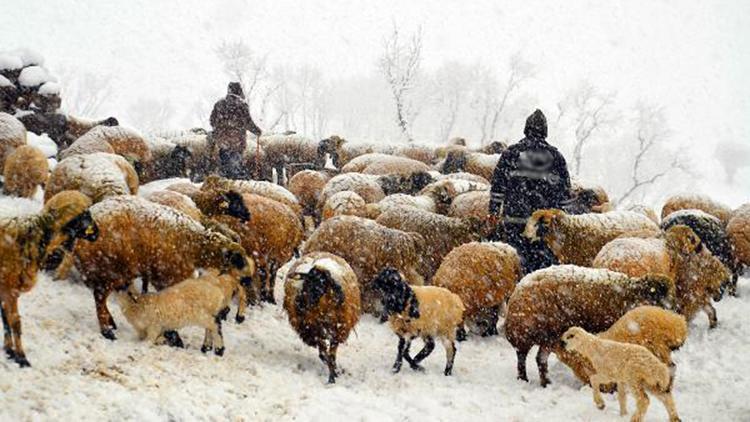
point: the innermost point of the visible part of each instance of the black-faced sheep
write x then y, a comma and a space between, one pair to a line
441, 233
696, 202
576, 239
139, 238
659, 330
282, 151
698, 275
483, 275
168, 160
549, 301
322, 301
255, 187
25, 169
626, 364
99, 176
476, 163
427, 312
711, 231
34, 242
368, 247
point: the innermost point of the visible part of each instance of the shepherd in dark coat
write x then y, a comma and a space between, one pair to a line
530, 175
230, 119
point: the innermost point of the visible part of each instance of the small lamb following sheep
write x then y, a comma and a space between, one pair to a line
631, 366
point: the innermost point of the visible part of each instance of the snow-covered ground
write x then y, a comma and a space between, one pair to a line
268, 374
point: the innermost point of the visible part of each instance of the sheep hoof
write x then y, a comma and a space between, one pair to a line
331, 379
205, 349
239, 319
173, 339
545, 383
523, 378
418, 368
11, 354
22, 361
396, 369
109, 334
600, 406
219, 351
448, 372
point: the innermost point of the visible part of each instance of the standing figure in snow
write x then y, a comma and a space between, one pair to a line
529, 176
230, 119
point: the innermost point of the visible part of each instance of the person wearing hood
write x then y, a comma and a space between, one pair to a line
530, 175
230, 119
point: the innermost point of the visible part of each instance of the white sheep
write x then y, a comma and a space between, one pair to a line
631, 366
98, 175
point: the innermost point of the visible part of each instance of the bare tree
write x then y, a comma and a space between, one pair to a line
449, 89
84, 94
591, 112
242, 65
732, 156
399, 64
651, 134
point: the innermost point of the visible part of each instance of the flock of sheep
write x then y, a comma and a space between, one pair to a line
398, 232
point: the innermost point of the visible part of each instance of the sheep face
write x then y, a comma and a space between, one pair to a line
542, 225
233, 205
331, 146
178, 161
235, 259
573, 339
683, 240
395, 293
316, 283
81, 226
657, 289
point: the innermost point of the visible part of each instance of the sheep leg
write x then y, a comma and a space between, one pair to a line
521, 364
270, 284
461, 333
241, 305
622, 398
403, 348
429, 346
641, 400
668, 401
218, 336
173, 339
10, 310
450, 355
106, 323
8, 343
596, 382
710, 311
144, 286
330, 360
489, 320
208, 341
541, 362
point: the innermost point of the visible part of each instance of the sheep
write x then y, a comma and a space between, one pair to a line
123, 141
738, 230
395, 165
353, 150
255, 187
361, 162
322, 302
307, 185
283, 150
139, 238
25, 168
344, 203
483, 275
365, 186
193, 302
494, 147
645, 210
478, 180
699, 202
201, 161
12, 136
626, 364
186, 188
549, 301
368, 247
441, 233
473, 204
271, 233
454, 187
417, 152
176, 200
408, 183
476, 163
76, 127
435, 200
714, 236
427, 312
698, 275
32, 242
168, 160
98, 175
588, 199
576, 239
659, 330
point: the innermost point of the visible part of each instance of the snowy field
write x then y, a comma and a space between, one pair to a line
268, 374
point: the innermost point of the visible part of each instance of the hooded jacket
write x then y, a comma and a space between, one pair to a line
530, 174
230, 119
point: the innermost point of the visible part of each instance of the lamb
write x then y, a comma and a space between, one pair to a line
307, 186
25, 169
12, 136
626, 364
427, 312
98, 175
366, 186
271, 233
738, 230
322, 301
549, 301
344, 203
441, 233
576, 239
33, 242
143, 239
368, 247
483, 275
714, 236
122, 141
699, 202
659, 330
193, 302
283, 150
698, 275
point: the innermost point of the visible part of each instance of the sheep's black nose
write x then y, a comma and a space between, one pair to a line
53, 260
246, 281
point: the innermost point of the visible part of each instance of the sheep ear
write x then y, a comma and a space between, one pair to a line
413, 307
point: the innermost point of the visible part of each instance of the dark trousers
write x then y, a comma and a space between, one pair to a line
534, 255
231, 165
